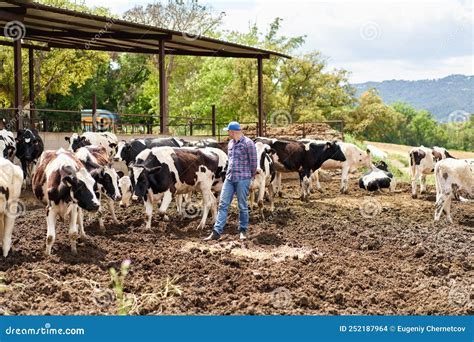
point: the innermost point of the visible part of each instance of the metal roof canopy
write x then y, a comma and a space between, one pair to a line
60, 28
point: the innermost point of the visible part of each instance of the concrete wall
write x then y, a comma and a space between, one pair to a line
54, 141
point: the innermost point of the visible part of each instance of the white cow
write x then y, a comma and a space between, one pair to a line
422, 163
453, 177
11, 180
355, 158
263, 178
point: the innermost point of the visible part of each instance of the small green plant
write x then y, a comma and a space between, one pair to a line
118, 283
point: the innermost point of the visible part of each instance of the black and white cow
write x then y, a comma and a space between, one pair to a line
219, 177
379, 177
174, 171
422, 163
355, 158
63, 184
304, 158
11, 180
263, 177
7, 144
128, 151
223, 145
107, 140
29, 147
96, 161
453, 178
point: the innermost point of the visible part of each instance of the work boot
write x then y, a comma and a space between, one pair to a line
213, 236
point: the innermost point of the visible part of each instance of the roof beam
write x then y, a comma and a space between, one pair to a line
26, 46
96, 35
9, 15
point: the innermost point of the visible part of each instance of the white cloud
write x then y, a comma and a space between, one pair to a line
374, 39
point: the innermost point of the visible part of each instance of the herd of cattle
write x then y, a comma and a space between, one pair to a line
81, 177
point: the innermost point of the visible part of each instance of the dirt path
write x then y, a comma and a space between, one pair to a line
404, 149
328, 256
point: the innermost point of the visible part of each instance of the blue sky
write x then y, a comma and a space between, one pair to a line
375, 40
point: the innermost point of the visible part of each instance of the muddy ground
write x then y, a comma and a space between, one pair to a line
337, 254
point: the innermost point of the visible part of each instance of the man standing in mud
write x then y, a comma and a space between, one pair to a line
240, 172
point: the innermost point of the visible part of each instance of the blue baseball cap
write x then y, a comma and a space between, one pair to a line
233, 126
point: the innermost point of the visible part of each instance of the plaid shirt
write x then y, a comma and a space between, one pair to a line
242, 159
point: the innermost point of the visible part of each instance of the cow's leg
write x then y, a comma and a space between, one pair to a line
110, 204
277, 184
345, 179
414, 178
24, 168
304, 181
447, 208
315, 180
208, 199
423, 184
148, 211
51, 228
261, 194
30, 172
8, 221
80, 222
271, 197
73, 235
393, 184
213, 207
251, 198
165, 203
2, 227
179, 204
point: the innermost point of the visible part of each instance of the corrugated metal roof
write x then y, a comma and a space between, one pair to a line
61, 28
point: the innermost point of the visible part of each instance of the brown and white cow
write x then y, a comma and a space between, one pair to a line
355, 158
263, 177
96, 161
107, 140
453, 177
173, 171
63, 183
304, 158
422, 163
11, 180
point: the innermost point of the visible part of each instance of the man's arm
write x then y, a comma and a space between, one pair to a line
252, 153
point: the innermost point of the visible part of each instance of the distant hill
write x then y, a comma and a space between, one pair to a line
440, 96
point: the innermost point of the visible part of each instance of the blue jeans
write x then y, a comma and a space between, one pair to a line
241, 187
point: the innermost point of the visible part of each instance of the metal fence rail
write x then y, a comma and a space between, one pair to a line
56, 120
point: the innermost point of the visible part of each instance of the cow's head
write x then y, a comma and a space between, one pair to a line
332, 150
142, 175
108, 178
113, 148
124, 151
82, 187
126, 190
365, 159
8, 151
29, 145
440, 153
381, 165
76, 142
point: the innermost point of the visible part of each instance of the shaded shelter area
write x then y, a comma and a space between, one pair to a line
29, 25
